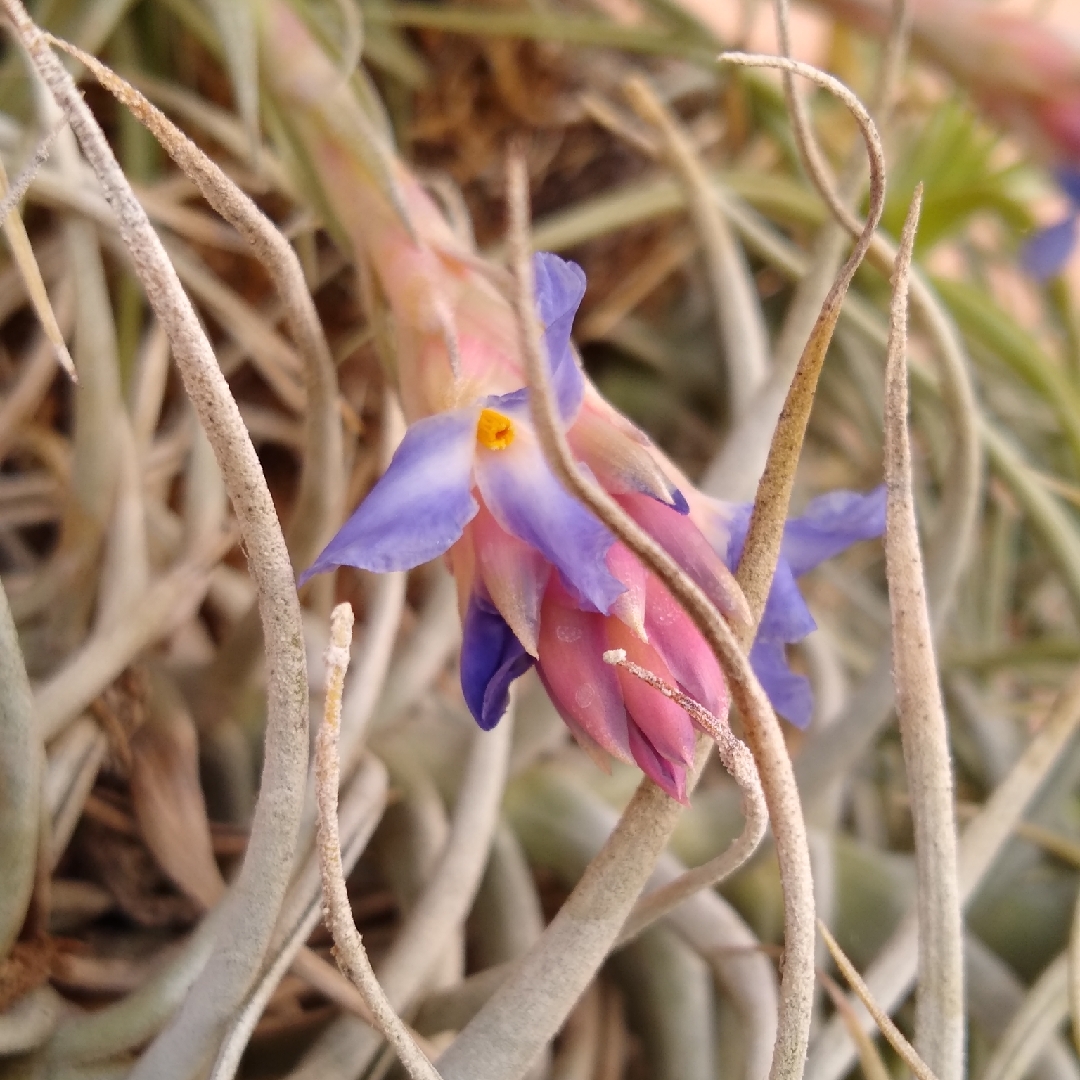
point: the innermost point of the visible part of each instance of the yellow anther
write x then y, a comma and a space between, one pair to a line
494, 430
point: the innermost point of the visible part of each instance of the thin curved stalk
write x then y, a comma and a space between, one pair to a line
23, 253
836, 748
962, 484
891, 1032
939, 1017
22, 763
438, 913
766, 529
362, 689
349, 949
252, 905
739, 763
361, 809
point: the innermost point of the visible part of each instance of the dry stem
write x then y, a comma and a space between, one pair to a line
349, 948
739, 763
939, 1018
766, 529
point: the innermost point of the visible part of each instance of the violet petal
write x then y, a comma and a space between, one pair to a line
560, 285
789, 693
491, 659
420, 505
830, 524
1046, 251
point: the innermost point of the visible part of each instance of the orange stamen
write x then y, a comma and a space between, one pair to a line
494, 430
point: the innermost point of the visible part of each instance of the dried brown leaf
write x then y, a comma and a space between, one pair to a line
168, 798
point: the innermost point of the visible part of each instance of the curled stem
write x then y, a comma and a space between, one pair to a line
739, 763
766, 529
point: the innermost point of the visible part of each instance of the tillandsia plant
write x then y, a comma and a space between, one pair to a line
543, 582
540, 580
518, 904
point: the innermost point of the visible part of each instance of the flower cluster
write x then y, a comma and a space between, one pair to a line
543, 583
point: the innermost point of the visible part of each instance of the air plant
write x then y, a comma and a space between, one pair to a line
543, 582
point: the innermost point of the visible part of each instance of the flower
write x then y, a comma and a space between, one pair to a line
540, 581
1044, 255
543, 583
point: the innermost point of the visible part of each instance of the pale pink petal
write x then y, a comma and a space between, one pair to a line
514, 575
630, 607
619, 456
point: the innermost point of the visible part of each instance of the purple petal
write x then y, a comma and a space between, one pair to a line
789, 693
1045, 254
491, 659
830, 524
1069, 180
560, 285
419, 507
786, 616
529, 502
